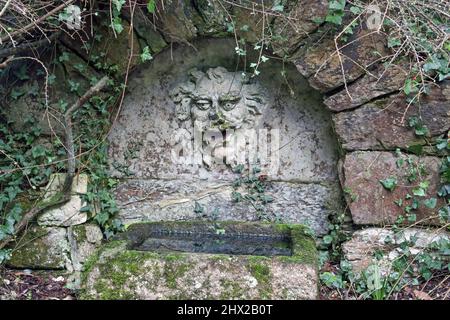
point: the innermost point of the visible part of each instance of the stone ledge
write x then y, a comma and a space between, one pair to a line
120, 273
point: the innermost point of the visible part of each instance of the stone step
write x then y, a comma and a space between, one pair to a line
205, 260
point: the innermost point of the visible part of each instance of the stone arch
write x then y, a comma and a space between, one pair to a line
367, 107
279, 101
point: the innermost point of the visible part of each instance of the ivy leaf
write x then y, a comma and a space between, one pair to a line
394, 42
389, 183
145, 55
117, 25
101, 217
38, 151
430, 203
337, 4
327, 239
118, 4
355, 10
266, 199
278, 8
442, 144
421, 131
151, 6
5, 254
198, 208
420, 192
334, 18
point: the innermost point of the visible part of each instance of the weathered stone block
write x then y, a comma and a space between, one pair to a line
370, 202
41, 248
177, 21
384, 124
84, 240
360, 250
323, 65
69, 213
291, 28
118, 272
381, 82
146, 29
157, 200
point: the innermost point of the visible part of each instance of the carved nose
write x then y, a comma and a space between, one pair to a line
213, 115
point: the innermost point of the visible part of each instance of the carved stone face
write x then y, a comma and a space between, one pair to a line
218, 99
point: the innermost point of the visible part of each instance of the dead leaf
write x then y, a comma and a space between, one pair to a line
422, 295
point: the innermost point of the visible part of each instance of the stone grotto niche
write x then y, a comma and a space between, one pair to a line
191, 118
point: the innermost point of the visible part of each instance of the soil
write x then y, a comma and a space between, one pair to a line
33, 285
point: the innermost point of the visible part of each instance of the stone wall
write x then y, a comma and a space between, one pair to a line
370, 126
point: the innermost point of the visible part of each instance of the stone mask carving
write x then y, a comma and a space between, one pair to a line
218, 100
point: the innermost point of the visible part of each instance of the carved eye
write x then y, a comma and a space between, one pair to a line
228, 106
203, 104
229, 103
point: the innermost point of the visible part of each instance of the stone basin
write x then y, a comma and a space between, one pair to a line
205, 260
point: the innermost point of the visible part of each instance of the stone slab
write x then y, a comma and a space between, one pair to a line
322, 65
69, 213
158, 200
41, 248
380, 82
383, 124
118, 273
370, 203
360, 250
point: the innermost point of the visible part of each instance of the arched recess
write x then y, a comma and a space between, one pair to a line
302, 188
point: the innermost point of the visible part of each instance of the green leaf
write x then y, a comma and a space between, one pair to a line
337, 4
355, 10
412, 217
430, 203
118, 4
334, 18
421, 131
264, 58
443, 144
117, 25
145, 55
151, 6
245, 28
327, 239
420, 192
64, 57
394, 42
278, 8
416, 149
389, 183
407, 87
38, 151
198, 208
